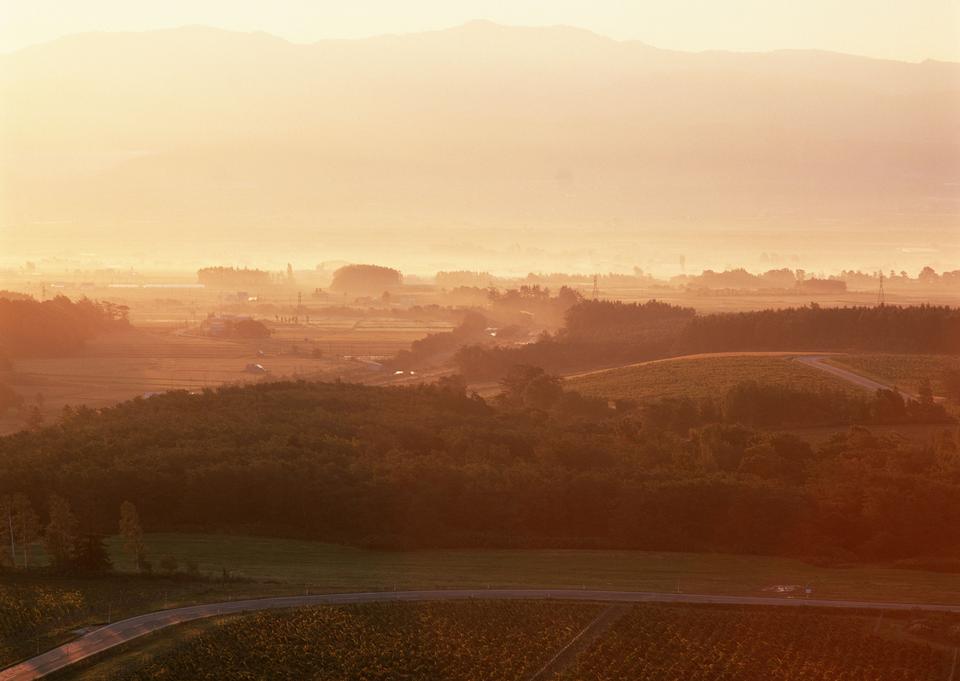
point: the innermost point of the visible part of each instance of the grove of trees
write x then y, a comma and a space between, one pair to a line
365, 279
29, 328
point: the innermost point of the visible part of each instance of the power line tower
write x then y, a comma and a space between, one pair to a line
596, 287
881, 297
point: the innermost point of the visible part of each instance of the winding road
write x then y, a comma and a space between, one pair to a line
111, 635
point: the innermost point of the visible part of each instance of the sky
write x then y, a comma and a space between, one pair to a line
891, 29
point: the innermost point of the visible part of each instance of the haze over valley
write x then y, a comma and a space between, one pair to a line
478, 147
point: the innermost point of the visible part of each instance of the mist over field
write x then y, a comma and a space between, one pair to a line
483, 146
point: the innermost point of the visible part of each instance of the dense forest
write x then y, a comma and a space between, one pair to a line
30, 328
434, 466
606, 333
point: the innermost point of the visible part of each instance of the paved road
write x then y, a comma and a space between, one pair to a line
817, 362
699, 355
106, 637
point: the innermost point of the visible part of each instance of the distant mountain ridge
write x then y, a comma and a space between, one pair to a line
484, 125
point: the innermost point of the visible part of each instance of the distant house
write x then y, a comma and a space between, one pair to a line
255, 369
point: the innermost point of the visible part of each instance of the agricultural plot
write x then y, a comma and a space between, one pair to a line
665, 643
476, 640
126, 365
504, 640
702, 376
904, 371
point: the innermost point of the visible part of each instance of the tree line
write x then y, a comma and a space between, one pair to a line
432, 466
69, 548
30, 328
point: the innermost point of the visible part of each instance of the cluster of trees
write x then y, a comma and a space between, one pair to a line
434, 466
605, 333
68, 550
365, 279
233, 277
30, 328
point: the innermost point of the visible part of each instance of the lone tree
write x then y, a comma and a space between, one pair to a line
60, 535
132, 533
19, 526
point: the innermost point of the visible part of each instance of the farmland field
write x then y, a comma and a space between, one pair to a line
904, 371
121, 366
702, 376
330, 567
663, 643
268, 567
480, 640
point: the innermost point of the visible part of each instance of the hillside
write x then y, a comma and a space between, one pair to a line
429, 466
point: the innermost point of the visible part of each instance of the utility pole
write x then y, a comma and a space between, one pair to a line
881, 297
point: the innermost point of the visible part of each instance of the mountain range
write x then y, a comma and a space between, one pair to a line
502, 138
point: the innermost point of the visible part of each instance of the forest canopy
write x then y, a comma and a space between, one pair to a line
433, 466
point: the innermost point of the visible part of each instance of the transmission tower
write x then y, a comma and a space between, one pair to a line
596, 287
881, 297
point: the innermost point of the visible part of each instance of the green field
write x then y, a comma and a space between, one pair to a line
327, 567
904, 371
263, 566
708, 376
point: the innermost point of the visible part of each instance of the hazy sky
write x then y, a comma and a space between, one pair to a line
895, 29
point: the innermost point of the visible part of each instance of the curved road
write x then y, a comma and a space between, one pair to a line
115, 634
816, 361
